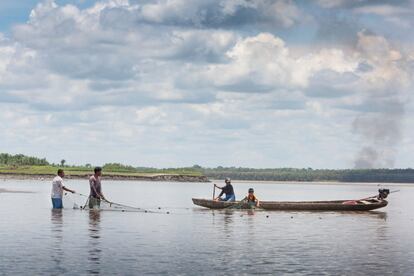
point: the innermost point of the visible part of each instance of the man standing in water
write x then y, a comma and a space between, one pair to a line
57, 190
96, 195
228, 190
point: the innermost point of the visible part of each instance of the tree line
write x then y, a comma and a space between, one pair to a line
293, 174
21, 160
239, 173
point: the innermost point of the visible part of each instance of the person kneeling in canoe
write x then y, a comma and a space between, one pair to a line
228, 190
251, 199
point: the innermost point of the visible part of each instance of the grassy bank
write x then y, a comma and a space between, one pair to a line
82, 171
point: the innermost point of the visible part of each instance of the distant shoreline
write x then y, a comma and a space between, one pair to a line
180, 178
154, 177
26, 167
321, 182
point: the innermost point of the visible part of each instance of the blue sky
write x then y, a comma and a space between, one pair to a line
257, 83
17, 12
12, 12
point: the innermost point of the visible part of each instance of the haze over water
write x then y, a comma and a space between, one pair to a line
193, 241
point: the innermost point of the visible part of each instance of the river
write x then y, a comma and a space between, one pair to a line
34, 240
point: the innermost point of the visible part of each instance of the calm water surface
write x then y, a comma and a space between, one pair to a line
34, 240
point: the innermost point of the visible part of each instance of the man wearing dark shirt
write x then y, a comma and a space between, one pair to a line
228, 190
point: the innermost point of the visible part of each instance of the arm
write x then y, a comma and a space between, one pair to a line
102, 196
68, 190
222, 192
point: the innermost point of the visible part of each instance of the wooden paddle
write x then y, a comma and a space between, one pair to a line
214, 191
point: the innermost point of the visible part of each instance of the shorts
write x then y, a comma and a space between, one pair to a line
229, 198
57, 203
94, 202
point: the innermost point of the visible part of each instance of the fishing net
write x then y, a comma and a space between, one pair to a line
242, 205
79, 201
73, 201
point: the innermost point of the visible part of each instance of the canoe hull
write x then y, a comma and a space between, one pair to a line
323, 206
212, 204
339, 205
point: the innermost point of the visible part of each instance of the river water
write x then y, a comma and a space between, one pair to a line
34, 240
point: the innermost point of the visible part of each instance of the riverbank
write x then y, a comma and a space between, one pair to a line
112, 176
109, 173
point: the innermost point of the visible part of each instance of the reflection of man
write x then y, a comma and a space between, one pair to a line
94, 243
57, 248
57, 190
96, 195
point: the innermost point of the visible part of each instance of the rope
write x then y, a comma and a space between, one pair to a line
126, 207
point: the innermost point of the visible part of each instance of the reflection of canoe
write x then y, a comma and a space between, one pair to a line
338, 205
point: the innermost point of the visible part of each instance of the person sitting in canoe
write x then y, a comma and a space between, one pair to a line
251, 199
96, 194
228, 190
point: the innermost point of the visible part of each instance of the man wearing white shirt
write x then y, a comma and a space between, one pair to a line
57, 190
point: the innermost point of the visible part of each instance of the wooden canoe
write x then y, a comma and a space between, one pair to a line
337, 205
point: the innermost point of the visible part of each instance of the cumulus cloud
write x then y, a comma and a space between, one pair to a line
263, 62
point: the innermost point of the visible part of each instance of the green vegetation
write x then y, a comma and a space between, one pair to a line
21, 160
116, 167
26, 165
291, 174
82, 171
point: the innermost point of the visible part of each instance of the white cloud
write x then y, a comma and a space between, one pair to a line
387, 62
265, 61
285, 11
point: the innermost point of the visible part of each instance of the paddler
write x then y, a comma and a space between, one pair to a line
228, 190
57, 190
96, 194
251, 199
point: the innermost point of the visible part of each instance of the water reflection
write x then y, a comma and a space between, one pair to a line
251, 212
371, 214
379, 215
229, 213
94, 244
57, 234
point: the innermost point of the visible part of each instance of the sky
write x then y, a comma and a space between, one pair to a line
171, 83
